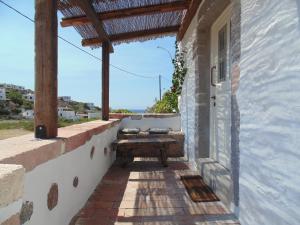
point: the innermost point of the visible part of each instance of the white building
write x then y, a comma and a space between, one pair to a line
94, 115
90, 105
28, 114
12, 86
2, 94
82, 116
29, 97
65, 98
66, 113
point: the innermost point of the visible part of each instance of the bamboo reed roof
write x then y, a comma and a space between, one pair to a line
123, 21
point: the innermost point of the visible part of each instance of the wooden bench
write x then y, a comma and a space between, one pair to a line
125, 148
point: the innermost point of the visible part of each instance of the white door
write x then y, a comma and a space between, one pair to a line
220, 122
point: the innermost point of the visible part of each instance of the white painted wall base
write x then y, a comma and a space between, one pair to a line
62, 171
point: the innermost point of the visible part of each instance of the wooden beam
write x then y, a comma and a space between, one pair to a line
105, 81
87, 7
194, 5
45, 106
133, 35
123, 13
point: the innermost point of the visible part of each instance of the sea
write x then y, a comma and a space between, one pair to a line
137, 110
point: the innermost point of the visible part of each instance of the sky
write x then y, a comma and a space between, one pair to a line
79, 75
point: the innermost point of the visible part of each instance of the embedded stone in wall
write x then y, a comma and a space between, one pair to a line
105, 151
75, 182
92, 152
52, 196
26, 212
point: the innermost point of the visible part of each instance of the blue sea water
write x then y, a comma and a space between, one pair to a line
137, 110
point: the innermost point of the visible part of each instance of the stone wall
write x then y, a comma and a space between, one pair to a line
268, 99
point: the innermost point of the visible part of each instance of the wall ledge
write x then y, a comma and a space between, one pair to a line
31, 152
11, 183
143, 115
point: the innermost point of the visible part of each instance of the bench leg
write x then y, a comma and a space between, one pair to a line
127, 158
164, 157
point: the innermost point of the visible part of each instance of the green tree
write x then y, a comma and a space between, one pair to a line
15, 97
27, 105
120, 111
168, 104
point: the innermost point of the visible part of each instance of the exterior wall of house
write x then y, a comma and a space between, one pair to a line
2, 94
29, 97
94, 115
28, 114
65, 98
66, 113
268, 98
90, 105
12, 86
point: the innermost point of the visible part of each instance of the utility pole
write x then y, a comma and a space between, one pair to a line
159, 87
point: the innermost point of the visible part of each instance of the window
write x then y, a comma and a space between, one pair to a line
222, 54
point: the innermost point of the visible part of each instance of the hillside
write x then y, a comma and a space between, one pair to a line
15, 104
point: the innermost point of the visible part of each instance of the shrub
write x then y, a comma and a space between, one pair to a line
15, 97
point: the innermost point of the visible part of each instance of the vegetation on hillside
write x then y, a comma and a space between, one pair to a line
169, 101
13, 107
125, 111
16, 97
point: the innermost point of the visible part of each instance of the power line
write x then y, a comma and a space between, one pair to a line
77, 47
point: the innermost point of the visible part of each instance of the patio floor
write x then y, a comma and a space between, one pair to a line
145, 193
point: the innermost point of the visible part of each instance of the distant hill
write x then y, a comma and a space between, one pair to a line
15, 104
78, 107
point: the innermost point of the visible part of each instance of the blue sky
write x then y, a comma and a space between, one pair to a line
79, 75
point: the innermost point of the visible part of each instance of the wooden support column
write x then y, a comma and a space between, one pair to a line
105, 80
45, 106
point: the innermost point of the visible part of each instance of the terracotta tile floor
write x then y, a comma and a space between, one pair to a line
145, 193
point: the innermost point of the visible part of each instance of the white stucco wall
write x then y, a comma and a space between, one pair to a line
94, 115
145, 123
269, 101
18, 187
2, 94
62, 171
28, 114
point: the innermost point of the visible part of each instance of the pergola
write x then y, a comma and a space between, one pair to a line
101, 23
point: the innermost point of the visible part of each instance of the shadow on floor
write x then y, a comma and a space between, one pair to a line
145, 193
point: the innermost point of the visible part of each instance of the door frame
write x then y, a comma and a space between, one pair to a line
220, 22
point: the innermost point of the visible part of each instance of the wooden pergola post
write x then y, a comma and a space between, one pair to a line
45, 106
105, 80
